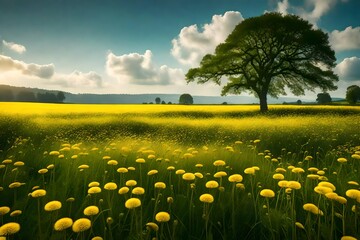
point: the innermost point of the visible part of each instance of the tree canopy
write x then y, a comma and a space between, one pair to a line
266, 54
323, 98
353, 94
186, 99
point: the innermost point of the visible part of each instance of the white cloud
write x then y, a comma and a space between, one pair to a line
14, 47
283, 6
138, 69
318, 9
348, 39
349, 69
191, 44
78, 79
32, 69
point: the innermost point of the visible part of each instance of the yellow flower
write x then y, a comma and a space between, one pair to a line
180, 172
138, 191
106, 158
38, 193
91, 210
280, 170
353, 193
348, 238
198, 175
299, 225
212, 184
298, 170
94, 190
313, 176
241, 186
199, 165
15, 213
140, 160
71, 199
151, 156
310, 207
322, 190
313, 169
52, 206
54, 153
250, 171
206, 198
4, 210
294, 185
308, 158
152, 172
219, 163
97, 238
83, 166
353, 183
81, 225
153, 226
51, 166
235, 178
15, 184
268, 193
220, 174
122, 170
341, 200
331, 195
320, 172
94, 184
327, 184
43, 171
162, 217
160, 185
171, 168
110, 186
169, 200
131, 183
9, 228
123, 190
112, 162
256, 141
188, 176
278, 176
19, 164
342, 160
356, 156
283, 184
7, 161
132, 203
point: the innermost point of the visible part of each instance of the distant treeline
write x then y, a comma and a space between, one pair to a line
7, 95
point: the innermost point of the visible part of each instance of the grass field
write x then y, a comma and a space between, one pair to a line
179, 172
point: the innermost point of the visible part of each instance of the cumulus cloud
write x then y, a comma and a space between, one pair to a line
318, 9
282, 7
139, 69
348, 39
32, 69
14, 47
78, 79
192, 44
349, 69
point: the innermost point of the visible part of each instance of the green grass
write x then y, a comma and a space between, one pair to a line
180, 136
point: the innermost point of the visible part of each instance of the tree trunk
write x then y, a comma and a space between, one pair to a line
263, 102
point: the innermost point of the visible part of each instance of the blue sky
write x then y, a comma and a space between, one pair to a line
146, 46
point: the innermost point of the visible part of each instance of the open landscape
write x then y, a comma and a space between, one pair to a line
175, 172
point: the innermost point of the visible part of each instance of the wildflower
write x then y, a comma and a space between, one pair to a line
241, 186
250, 171
348, 238
130, 183
313, 169
132, 203
151, 156
110, 186
356, 156
199, 165
299, 225
83, 166
212, 184
331, 195
280, 170
198, 175
283, 184
162, 217
220, 174
160, 185
278, 176
71, 199
140, 160
353, 193
91, 210
313, 176
19, 164
51, 166
81, 225
38, 193
298, 170
4, 210
123, 190
268, 193
52, 206
320, 172
170, 200
131, 168
9, 228
153, 226
97, 238
152, 172
294, 185
112, 162
288, 190
122, 170
206, 198
235, 178
219, 163
353, 183
138, 191
342, 160
188, 176
310, 207
188, 155
109, 220
170, 168
94, 184
341, 200
180, 172
327, 184
308, 158
256, 141
74, 156
94, 190
15, 213
15, 184
7, 161
322, 190
54, 153
43, 171
106, 158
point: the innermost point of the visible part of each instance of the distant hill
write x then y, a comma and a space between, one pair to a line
146, 98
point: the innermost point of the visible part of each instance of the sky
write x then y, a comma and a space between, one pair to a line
147, 46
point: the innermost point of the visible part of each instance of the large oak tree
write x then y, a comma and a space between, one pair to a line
266, 54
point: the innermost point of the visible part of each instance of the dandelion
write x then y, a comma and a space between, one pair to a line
220, 174
322, 190
15, 213
54, 153
188, 176
348, 238
91, 210
162, 217
38, 193
123, 190
280, 170
268, 193
353, 183
249, 171
299, 225
356, 156
310, 207
294, 185
342, 160
43, 171
240, 186
353, 193
138, 191
140, 160
198, 175
110, 186
152, 172
9, 229
97, 238
4, 210
7, 161
19, 164
341, 200
160, 185
219, 163
132, 203
313, 169
206, 198
112, 162
153, 226
283, 184
212, 184
93, 184
199, 165
308, 158
122, 170
94, 190
81, 225
51, 166
235, 178
52, 206
180, 172
83, 166
327, 184
130, 183
331, 195
278, 176
313, 176
171, 168
15, 184
298, 170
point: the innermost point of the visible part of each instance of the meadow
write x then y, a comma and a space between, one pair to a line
73, 171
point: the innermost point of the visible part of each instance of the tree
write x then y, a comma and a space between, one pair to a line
323, 98
265, 54
6, 95
163, 102
47, 97
157, 100
186, 99
60, 96
299, 102
353, 94
26, 96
